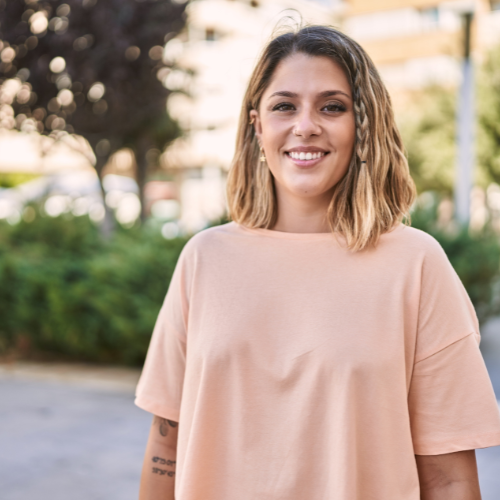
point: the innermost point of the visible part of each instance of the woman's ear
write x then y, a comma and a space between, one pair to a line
255, 120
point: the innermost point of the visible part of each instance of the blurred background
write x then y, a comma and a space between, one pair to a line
117, 127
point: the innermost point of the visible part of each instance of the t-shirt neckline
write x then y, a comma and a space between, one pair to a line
271, 233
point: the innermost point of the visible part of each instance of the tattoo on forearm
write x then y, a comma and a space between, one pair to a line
164, 424
162, 461
162, 472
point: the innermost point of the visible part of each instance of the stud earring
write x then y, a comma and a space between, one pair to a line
262, 155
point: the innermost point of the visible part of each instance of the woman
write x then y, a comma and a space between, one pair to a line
316, 348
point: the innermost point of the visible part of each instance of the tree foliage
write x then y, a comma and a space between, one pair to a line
428, 125
91, 67
489, 116
428, 129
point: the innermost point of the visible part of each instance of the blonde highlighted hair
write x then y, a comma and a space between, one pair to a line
376, 192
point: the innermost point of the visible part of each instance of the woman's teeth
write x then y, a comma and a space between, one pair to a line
306, 156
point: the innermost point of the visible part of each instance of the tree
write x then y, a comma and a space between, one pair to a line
93, 68
428, 128
489, 116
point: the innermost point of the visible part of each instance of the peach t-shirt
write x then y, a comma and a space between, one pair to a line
299, 370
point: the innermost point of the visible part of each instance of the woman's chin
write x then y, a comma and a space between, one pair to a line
309, 191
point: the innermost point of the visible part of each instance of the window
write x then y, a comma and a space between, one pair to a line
209, 34
429, 18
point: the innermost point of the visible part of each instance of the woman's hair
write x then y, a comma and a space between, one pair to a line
376, 192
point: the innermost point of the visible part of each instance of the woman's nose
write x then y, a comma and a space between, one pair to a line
306, 125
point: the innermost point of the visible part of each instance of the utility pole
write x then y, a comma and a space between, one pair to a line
465, 128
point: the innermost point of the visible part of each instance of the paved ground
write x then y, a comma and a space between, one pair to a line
74, 433
64, 440
489, 459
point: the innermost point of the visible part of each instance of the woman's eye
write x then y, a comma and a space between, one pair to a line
283, 106
335, 107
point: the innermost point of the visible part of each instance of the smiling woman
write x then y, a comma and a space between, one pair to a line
318, 91
316, 348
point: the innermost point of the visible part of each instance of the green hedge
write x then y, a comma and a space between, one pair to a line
63, 290
67, 292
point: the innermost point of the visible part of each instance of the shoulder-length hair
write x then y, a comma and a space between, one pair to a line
376, 192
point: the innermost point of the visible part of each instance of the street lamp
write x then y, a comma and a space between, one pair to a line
465, 122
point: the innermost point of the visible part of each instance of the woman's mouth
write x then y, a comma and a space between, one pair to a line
306, 158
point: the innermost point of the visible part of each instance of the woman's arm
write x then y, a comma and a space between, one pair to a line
450, 476
158, 470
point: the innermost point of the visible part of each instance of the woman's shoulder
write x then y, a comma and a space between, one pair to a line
411, 240
214, 233
215, 237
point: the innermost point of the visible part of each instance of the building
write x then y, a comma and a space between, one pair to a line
418, 42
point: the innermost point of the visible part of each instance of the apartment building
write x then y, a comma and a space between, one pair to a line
418, 42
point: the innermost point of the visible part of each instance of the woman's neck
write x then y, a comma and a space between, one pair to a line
302, 215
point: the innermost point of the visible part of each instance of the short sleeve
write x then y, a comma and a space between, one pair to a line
451, 400
159, 390
446, 313
452, 404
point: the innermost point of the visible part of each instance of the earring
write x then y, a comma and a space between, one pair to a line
262, 155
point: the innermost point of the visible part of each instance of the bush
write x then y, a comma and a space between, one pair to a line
475, 257
65, 291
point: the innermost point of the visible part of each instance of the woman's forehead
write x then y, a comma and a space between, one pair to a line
301, 73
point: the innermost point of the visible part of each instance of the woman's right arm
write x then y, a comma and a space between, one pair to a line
158, 470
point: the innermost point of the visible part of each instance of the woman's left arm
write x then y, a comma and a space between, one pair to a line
453, 475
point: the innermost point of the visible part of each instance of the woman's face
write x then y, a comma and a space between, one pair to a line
305, 125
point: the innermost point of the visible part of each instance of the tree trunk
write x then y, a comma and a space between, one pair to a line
107, 226
143, 146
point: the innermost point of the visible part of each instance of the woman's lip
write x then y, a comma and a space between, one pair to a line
307, 149
305, 163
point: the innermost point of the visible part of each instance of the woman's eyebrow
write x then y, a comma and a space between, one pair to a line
284, 93
326, 93
329, 93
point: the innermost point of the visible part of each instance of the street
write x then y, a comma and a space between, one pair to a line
60, 441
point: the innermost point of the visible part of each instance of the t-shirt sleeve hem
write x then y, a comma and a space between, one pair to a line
157, 408
448, 344
459, 444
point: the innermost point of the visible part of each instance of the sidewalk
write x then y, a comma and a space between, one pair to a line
70, 432
489, 459
490, 347
83, 375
